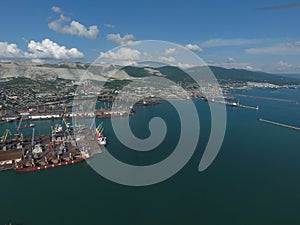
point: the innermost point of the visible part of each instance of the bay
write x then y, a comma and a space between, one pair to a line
253, 180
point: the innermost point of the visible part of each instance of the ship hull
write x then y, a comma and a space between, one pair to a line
28, 169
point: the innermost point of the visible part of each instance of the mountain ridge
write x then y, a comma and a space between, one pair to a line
104, 72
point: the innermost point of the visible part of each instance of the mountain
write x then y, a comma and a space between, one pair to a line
290, 75
105, 72
46, 72
225, 75
240, 75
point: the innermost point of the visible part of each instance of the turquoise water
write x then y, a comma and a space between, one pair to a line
254, 179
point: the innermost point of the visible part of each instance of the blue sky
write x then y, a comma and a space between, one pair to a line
228, 33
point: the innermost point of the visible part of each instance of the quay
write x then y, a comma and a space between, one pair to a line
68, 114
233, 104
279, 124
249, 107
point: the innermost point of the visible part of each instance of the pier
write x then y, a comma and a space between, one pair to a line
279, 124
249, 107
234, 104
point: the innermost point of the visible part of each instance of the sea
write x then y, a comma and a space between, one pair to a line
254, 180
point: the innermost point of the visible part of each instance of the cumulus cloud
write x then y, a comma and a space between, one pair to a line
219, 42
56, 9
64, 26
46, 49
286, 67
169, 59
121, 54
170, 51
116, 38
8, 50
284, 64
193, 47
185, 65
38, 61
172, 61
50, 49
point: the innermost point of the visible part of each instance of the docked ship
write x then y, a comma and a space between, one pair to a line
61, 147
49, 152
46, 164
58, 149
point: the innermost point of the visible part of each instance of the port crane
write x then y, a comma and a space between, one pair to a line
19, 126
31, 125
100, 129
66, 123
32, 139
5, 135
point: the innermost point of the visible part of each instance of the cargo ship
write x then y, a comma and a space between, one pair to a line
61, 147
48, 165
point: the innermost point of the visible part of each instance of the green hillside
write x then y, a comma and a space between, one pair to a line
224, 75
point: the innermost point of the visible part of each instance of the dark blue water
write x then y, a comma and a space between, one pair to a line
253, 180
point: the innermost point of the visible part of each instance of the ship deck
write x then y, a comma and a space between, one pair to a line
11, 155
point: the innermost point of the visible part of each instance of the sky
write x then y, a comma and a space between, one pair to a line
255, 35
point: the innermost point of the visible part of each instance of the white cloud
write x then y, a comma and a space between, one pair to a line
8, 50
249, 67
174, 62
193, 47
284, 64
62, 25
116, 38
38, 61
279, 49
219, 42
236, 65
50, 49
46, 49
121, 54
56, 9
110, 25
231, 59
170, 51
169, 59
185, 65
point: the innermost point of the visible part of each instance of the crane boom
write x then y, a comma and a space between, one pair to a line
5, 135
32, 139
18, 128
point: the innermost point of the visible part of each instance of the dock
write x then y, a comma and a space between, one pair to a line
279, 124
249, 107
234, 104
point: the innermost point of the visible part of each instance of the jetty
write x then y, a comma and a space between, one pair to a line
279, 124
233, 104
249, 107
